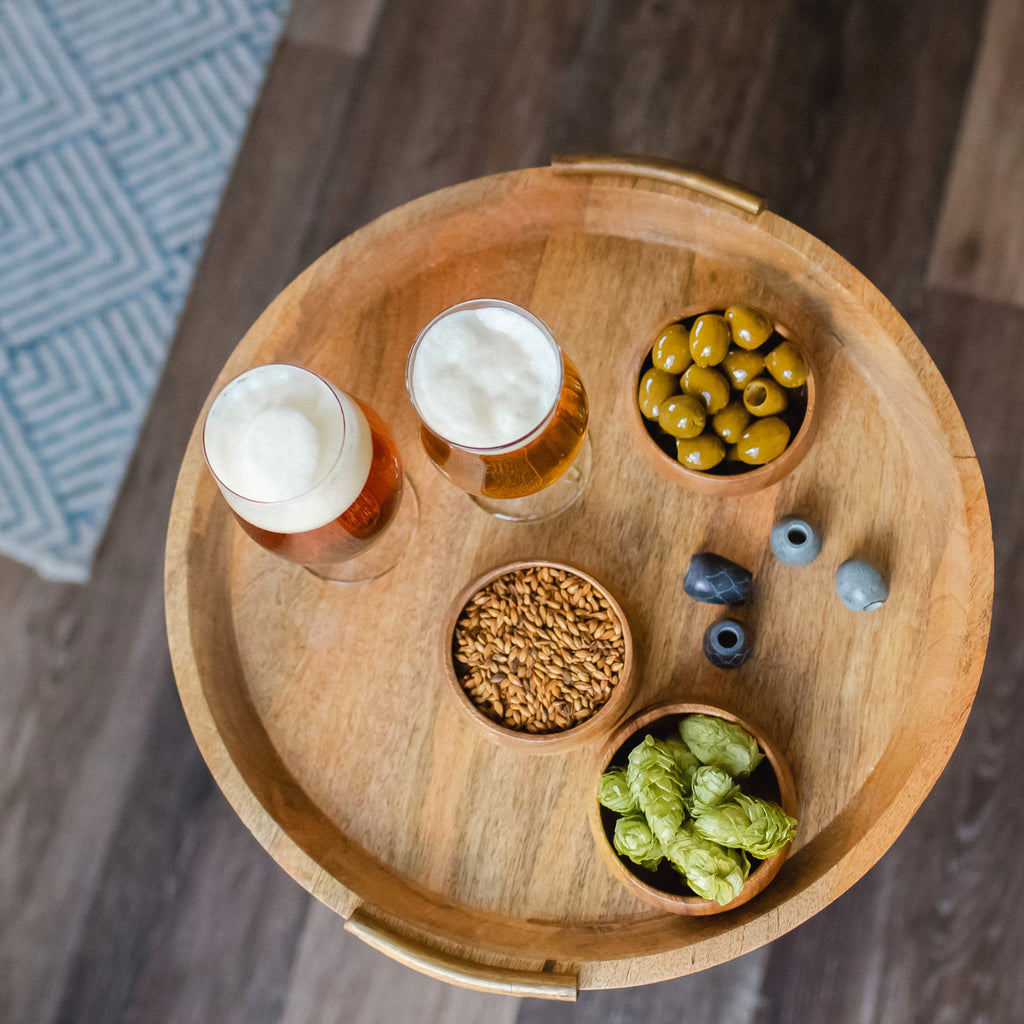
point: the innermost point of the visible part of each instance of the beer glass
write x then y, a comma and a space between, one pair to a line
502, 409
310, 473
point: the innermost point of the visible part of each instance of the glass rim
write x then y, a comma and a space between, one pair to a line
321, 478
482, 303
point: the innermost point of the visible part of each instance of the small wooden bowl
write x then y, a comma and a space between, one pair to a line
664, 888
743, 479
599, 723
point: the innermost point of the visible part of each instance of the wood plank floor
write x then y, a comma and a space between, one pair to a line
130, 892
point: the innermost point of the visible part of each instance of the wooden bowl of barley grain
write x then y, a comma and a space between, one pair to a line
539, 655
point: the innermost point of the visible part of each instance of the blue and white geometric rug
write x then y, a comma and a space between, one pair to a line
119, 124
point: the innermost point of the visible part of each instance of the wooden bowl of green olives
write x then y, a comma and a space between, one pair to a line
726, 399
694, 809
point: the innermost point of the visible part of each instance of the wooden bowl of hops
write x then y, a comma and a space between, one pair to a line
694, 808
539, 656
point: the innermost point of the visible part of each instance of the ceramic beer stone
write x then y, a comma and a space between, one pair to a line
715, 579
861, 587
322, 711
795, 541
726, 643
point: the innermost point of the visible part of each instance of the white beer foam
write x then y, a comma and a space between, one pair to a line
288, 450
485, 377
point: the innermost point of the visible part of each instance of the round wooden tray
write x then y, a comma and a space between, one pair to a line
323, 713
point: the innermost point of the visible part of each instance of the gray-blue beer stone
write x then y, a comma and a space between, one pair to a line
795, 541
860, 586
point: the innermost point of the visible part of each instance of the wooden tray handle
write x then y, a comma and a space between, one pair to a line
660, 170
422, 958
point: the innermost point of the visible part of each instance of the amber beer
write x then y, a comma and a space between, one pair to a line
310, 473
527, 466
350, 534
503, 411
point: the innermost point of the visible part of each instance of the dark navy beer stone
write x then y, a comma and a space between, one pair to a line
717, 580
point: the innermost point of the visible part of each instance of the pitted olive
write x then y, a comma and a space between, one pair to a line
741, 367
709, 339
708, 384
655, 386
671, 352
787, 365
765, 439
703, 452
764, 397
730, 422
750, 326
682, 416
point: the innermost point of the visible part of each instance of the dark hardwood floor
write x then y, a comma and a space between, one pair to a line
891, 129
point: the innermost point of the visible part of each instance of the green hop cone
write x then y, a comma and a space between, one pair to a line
710, 787
657, 786
684, 758
634, 839
721, 743
615, 794
748, 823
710, 870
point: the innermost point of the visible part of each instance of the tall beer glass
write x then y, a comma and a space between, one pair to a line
310, 473
503, 410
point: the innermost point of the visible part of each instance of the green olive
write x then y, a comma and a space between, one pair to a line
741, 366
730, 422
708, 384
655, 386
764, 397
764, 440
682, 416
750, 326
703, 452
786, 364
709, 339
671, 351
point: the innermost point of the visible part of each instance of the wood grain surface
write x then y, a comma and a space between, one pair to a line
130, 891
978, 249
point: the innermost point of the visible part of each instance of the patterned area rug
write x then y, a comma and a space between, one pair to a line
119, 123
